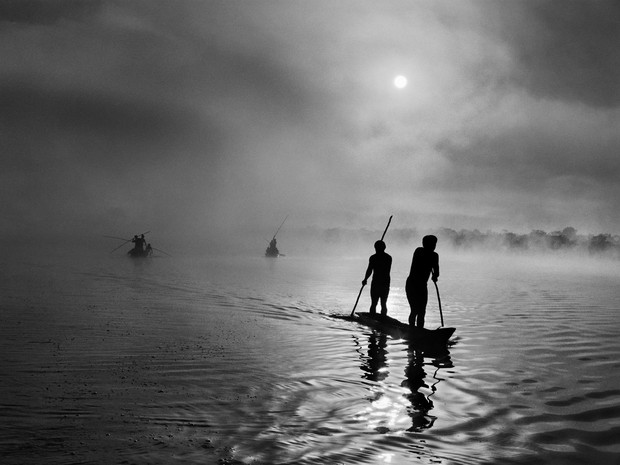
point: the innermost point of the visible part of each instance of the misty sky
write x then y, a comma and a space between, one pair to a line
200, 117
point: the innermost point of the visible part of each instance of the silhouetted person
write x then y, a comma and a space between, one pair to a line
425, 264
136, 243
379, 265
148, 250
272, 250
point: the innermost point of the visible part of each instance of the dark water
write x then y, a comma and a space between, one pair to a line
169, 360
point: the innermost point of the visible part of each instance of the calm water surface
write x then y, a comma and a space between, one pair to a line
242, 361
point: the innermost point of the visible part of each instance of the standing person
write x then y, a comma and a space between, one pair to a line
379, 265
425, 264
136, 244
142, 243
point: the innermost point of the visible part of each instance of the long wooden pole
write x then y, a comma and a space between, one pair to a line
119, 238
159, 250
278, 230
439, 301
386, 228
362, 288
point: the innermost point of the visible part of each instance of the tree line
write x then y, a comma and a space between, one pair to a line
567, 239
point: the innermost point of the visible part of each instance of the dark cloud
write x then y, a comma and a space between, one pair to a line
566, 49
33, 116
524, 158
45, 11
27, 104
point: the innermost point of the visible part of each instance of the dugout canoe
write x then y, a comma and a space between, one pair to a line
396, 328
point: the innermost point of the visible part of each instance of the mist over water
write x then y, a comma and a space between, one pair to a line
240, 360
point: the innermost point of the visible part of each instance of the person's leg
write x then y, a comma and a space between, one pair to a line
410, 298
383, 306
421, 315
421, 301
374, 299
384, 297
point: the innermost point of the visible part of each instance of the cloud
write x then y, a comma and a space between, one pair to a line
211, 116
45, 12
565, 50
529, 139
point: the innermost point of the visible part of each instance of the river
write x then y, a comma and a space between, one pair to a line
106, 359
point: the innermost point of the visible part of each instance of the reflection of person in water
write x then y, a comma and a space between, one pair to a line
374, 365
415, 380
420, 403
379, 265
374, 368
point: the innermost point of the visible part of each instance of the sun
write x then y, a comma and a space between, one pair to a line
400, 82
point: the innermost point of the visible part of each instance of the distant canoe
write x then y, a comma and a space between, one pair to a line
136, 253
272, 252
396, 328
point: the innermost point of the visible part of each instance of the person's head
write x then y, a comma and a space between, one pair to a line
379, 246
429, 242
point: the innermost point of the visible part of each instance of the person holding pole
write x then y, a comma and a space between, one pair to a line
368, 274
379, 265
425, 264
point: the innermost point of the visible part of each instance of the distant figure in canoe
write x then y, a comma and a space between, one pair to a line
136, 243
272, 250
138, 247
379, 265
148, 250
425, 264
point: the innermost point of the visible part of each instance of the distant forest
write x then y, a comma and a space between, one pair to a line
536, 241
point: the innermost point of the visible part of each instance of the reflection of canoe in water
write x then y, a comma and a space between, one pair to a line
393, 327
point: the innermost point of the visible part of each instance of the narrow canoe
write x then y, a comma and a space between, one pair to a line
396, 328
136, 253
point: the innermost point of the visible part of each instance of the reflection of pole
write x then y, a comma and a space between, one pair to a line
362, 288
